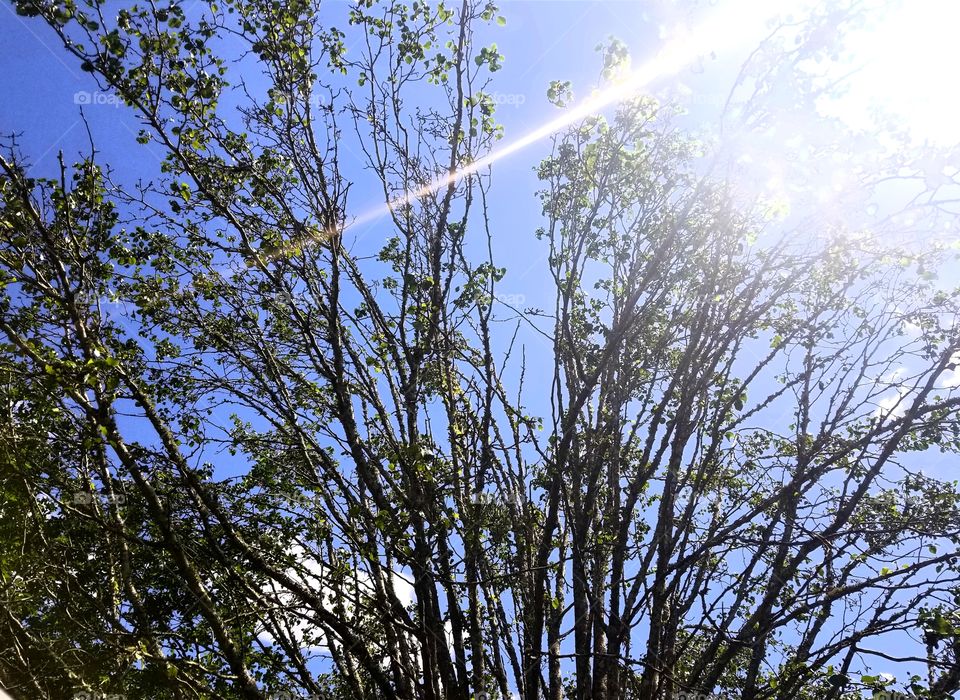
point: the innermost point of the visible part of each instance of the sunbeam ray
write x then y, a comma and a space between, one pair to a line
727, 27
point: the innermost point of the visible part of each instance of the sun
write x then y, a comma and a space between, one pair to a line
899, 64
904, 67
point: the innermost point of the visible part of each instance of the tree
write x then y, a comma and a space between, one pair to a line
722, 494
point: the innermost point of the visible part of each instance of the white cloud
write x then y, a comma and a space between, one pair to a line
315, 575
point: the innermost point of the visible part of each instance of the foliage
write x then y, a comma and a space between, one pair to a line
717, 495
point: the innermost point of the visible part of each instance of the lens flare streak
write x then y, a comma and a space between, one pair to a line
727, 27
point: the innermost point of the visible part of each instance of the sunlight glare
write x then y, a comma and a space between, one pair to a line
906, 67
730, 25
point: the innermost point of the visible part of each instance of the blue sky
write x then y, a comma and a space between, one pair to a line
543, 40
